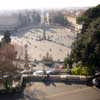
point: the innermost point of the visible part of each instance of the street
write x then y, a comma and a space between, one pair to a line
55, 91
60, 91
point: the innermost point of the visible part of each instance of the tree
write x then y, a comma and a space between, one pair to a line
7, 59
6, 39
67, 62
90, 15
86, 48
8, 56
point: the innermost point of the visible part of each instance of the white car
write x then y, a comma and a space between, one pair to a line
39, 72
51, 72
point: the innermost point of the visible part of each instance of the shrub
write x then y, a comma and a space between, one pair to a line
81, 70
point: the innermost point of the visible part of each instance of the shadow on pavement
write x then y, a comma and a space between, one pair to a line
12, 96
25, 95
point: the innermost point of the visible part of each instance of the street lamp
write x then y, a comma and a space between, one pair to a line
26, 66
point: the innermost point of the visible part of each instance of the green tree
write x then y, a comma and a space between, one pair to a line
86, 47
68, 61
90, 15
6, 39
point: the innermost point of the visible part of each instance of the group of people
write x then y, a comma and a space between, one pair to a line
48, 80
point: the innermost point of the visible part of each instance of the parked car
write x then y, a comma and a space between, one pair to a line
45, 72
39, 72
52, 72
96, 80
33, 64
26, 72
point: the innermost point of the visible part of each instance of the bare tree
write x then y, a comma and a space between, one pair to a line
7, 60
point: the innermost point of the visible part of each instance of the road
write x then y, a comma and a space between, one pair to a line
55, 91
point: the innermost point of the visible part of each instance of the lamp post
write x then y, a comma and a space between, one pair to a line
44, 31
26, 66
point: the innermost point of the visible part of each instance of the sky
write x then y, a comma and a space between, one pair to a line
45, 4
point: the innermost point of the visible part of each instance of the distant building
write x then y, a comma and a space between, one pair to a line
45, 18
13, 20
8, 22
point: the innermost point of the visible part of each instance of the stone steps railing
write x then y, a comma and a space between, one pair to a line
55, 78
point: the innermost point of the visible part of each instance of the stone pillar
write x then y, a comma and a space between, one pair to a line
47, 18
